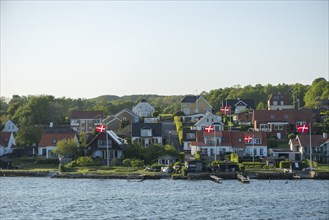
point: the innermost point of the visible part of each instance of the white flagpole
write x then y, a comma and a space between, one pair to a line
215, 144
107, 148
310, 147
253, 148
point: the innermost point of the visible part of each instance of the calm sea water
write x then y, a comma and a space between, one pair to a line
46, 198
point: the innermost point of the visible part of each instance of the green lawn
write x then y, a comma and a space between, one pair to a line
323, 167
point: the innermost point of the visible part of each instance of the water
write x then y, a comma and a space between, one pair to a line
46, 198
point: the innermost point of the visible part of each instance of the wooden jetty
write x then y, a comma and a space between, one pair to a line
242, 178
216, 179
135, 177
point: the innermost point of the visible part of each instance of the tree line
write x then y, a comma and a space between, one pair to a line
29, 111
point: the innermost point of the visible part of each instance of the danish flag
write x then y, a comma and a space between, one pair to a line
303, 128
247, 138
225, 110
100, 128
209, 128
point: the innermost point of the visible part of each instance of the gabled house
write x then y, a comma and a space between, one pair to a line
221, 142
143, 109
85, 121
7, 143
147, 133
319, 143
124, 117
279, 102
193, 118
104, 144
189, 136
238, 106
49, 141
208, 120
10, 127
192, 104
280, 122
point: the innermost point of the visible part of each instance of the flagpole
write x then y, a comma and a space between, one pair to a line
253, 148
310, 147
215, 144
107, 148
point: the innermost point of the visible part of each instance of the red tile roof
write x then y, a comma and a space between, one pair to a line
287, 115
4, 138
87, 115
48, 139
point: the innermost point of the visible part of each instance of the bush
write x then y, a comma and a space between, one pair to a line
40, 160
84, 161
285, 164
61, 168
137, 163
254, 165
127, 162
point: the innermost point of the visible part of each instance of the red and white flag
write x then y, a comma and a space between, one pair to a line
225, 110
247, 139
303, 128
209, 129
100, 128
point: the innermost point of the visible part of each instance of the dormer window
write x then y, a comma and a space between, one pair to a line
146, 132
272, 116
54, 141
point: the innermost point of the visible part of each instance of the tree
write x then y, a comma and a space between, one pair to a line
28, 136
319, 90
67, 147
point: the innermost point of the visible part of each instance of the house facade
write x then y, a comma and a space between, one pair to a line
280, 122
104, 144
146, 133
49, 141
319, 146
10, 126
143, 109
238, 106
195, 104
7, 143
85, 121
279, 102
218, 143
209, 120
189, 136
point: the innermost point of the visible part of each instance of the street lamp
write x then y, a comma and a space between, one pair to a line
170, 137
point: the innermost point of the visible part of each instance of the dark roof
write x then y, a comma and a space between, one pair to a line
249, 103
87, 114
316, 140
190, 99
102, 136
280, 97
156, 129
51, 139
143, 100
281, 150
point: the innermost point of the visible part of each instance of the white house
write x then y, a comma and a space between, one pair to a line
10, 127
147, 133
143, 109
209, 119
7, 143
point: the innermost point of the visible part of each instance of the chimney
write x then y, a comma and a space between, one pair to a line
51, 124
325, 135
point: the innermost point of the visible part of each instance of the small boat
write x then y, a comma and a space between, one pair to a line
296, 176
243, 179
216, 179
135, 177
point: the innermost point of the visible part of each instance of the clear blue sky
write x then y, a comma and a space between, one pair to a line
90, 48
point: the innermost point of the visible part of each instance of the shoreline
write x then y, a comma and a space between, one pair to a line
191, 176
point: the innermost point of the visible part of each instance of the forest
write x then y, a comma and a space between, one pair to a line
29, 111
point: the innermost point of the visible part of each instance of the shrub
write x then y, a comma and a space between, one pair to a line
61, 168
84, 161
40, 160
137, 163
285, 164
127, 162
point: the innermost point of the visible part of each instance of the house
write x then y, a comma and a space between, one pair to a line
193, 118
167, 160
285, 154
49, 141
243, 118
280, 122
146, 133
120, 120
10, 127
238, 106
143, 109
319, 143
104, 144
189, 136
220, 142
194, 166
85, 121
209, 120
192, 104
279, 102
7, 143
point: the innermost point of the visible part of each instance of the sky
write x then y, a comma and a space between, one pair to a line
85, 49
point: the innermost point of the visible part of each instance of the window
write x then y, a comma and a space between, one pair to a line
146, 133
278, 127
255, 151
261, 151
258, 140
54, 141
264, 127
300, 123
190, 135
275, 102
272, 116
282, 103
286, 116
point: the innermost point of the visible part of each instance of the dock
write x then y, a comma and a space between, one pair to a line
135, 177
216, 179
242, 178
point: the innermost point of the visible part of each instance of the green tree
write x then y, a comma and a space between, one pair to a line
67, 147
319, 90
28, 136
